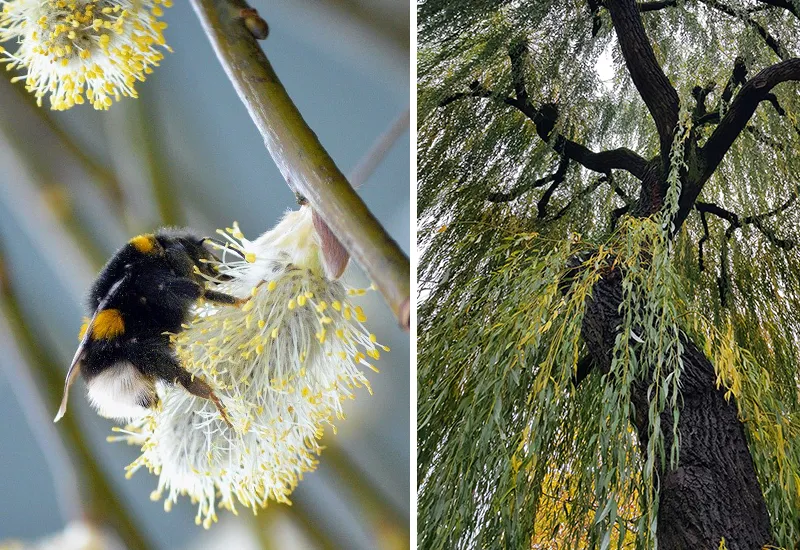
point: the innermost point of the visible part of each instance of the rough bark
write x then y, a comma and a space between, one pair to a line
713, 492
648, 77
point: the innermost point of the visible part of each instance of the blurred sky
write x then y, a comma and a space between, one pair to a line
350, 80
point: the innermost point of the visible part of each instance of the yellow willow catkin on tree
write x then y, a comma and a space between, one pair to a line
282, 365
71, 49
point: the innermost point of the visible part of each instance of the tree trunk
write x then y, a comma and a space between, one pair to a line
713, 492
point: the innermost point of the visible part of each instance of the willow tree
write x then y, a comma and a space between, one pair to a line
609, 336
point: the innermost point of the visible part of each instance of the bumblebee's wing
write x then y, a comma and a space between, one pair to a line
75, 367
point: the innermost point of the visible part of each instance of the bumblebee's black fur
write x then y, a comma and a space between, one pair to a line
159, 284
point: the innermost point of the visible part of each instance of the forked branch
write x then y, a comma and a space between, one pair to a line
756, 90
523, 188
736, 222
545, 118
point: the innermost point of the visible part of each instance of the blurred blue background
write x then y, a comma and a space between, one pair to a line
346, 65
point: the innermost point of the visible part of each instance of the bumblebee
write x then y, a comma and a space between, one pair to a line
142, 295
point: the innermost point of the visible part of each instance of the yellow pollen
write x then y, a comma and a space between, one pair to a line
144, 243
100, 50
360, 315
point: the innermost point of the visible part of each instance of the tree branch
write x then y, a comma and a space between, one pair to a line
700, 94
617, 213
737, 222
752, 93
545, 118
476, 91
304, 163
702, 241
785, 4
742, 14
520, 190
516, 52
770, 40
582, 193
104, 505
738, 78
648, 77
764, 139
655, 6
558, 178
582, 369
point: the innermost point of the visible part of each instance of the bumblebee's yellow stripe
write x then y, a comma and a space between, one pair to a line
107, 325
84, 327
144, 243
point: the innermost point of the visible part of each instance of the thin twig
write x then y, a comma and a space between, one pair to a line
373, 158
736, 221
40, 225
303, 162
702, 241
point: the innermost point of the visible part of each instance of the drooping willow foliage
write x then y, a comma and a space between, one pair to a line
511, 452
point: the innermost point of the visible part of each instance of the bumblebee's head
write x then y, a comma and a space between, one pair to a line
186, 249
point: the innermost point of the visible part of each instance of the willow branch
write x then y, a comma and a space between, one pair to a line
377, 153
648, 76
390, 28
702, 241
736, 221
167, 199
301, 158
785, 4
19, 374
768, 38
655, 6
756, 90
582, 369
582, 193
558, 178
300, 511
523, 188
544, 119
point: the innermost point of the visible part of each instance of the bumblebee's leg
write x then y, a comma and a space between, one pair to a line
197, 386
167, 367
222, 298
